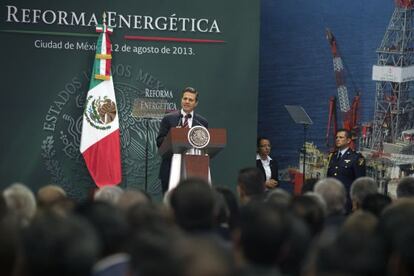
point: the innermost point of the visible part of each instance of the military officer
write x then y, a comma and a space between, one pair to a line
345, 164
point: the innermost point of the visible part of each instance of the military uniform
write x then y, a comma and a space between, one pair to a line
347, 168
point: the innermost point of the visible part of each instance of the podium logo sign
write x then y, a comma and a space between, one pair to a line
198, 137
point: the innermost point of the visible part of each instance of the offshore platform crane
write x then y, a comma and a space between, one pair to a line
348, 112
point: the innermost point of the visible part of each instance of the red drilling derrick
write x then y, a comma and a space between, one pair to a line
404, 3
349, 113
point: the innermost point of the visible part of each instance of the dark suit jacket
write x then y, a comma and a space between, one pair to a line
273, 169
346, 169
169, 121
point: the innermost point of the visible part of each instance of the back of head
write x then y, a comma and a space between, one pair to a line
263, 232
311, 211
376, 203
193, 204
402, 252
109, 194
56, 245
396, 224
109, 223
133, 197
49, 195
405, 187
251, 182
20, 202
349, 253
362, 187
395, 218
333, 192
200, 256
361, 222
278, 198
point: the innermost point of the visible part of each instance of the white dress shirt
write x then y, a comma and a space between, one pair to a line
190, 120
266, 166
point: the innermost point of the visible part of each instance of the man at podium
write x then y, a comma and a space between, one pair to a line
186, 117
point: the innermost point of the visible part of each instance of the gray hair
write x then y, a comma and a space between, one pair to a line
362, 187
20, 202
109, 194
334, 194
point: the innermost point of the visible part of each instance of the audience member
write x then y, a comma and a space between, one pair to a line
263, 233
55, 245
375, 203
405, 187
310, 211
278, 198
131, 197
232, 205
146, 217
192, 202
111, 227
347, 253
318, 198
360, 188
21, 202
334, 195
250, 185
201, 257
396, 226
50, 194
361, 222
154, 252
202, 231
221, 216
109, 194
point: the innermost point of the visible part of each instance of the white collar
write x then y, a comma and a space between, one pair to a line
258, 158
183, 113
343, 151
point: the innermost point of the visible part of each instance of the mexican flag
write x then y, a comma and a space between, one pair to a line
100, 142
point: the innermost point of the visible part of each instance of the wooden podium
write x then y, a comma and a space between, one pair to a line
190, 164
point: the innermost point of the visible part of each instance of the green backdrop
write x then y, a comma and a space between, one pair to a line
48, 52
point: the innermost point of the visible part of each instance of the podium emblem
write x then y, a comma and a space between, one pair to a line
198, 137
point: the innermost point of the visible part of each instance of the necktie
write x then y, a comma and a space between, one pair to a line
339, 155
185, 124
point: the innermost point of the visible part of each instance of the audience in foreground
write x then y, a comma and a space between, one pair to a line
205, 231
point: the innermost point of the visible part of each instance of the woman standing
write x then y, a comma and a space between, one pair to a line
266, 164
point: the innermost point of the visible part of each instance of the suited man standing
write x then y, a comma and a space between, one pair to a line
345, 164
266, 164
186, 117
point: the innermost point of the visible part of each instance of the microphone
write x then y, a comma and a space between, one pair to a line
179, 120
196, 121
